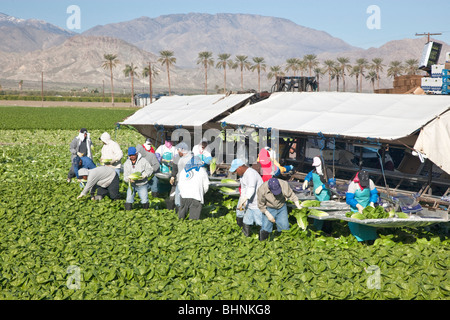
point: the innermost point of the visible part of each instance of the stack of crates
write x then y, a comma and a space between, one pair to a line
439, 82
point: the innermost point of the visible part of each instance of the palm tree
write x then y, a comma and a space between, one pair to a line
151, 72
362, 63
336, 73
292, 64
377, 66
242, 63
302, 66
344, 65
355, 72
275, 71
259, 64
110, 63
205, 58
329, 65
311, 61
224, 61
395, 69
166, 58
412, 66
130, 71
372, 76
318, 72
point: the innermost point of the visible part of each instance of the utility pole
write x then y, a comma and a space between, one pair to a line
428, 34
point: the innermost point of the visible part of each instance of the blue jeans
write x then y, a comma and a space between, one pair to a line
281, 219
141, 190
153, 184
253, 216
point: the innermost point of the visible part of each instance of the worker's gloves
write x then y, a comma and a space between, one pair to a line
80, 196
319, 190
360, 208
372, 204
80, 154
298, 205
269, 216
172, 180
243, 204
305, 184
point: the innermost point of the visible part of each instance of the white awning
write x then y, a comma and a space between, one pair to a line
185, 111
434, 141
368, 116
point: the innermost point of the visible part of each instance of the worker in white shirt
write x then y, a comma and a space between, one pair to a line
247, 213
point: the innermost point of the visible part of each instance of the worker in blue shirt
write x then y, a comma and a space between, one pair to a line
362, 193
82, 163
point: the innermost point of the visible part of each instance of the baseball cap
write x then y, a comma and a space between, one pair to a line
363, 176
274, 186
236, 163
83, 130
132, 151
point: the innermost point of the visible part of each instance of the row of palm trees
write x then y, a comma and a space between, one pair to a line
339, 69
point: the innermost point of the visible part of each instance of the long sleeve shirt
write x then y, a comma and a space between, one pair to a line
267, 199
250, 182
193, 184
141, 165
101, 176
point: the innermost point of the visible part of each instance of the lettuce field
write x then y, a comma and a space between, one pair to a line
55, 247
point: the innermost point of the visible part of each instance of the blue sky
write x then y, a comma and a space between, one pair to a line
345, 19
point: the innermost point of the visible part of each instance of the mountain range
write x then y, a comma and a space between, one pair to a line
67, 58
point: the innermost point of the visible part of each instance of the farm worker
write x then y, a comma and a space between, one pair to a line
136, 163
181, 158
317, 176
147, 151
268, 168
111, 152
279, 169
247, 212
193, 183
321, 192
80, 164
81, 145
102, 179
201, 150
147, 146
165, 154
272, 196
361, 193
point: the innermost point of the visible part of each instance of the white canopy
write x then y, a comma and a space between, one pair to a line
434, 141
186, 111
374, 116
